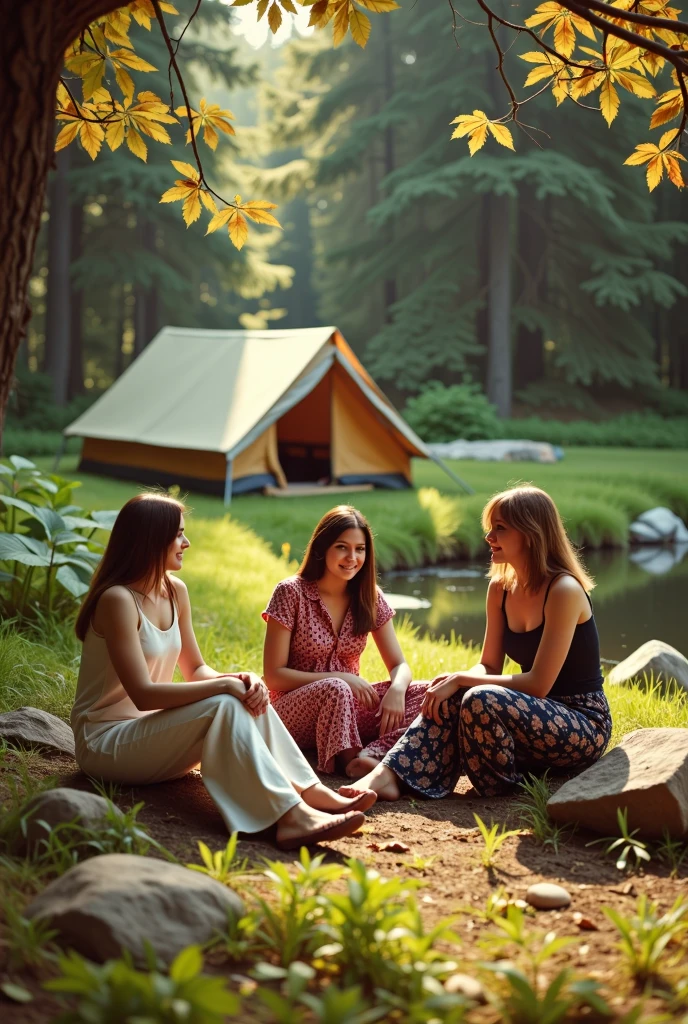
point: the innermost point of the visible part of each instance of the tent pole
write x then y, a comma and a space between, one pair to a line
450, 472
228, 482
59, 453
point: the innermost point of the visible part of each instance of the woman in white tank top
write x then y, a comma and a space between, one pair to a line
133, 725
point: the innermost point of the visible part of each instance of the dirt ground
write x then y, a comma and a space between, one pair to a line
178, 814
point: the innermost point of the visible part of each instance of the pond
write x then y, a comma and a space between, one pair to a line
641, 595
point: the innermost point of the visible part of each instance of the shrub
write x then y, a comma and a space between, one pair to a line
37, 442
633, 430
46, 542
442, 413
31, 404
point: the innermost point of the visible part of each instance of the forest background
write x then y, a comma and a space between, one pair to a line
547, 279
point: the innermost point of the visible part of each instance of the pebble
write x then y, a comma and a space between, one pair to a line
547, 896
465, 985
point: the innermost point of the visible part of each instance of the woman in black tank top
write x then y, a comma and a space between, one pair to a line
494, 727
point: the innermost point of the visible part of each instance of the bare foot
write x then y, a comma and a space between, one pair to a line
300, 821
381, 780
360, 766
324, 799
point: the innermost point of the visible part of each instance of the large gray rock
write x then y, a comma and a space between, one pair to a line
30, 727
653, 661
58, 807
647, 774
658, 526
117, 901
496, 451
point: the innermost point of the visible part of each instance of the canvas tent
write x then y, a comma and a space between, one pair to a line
233, 411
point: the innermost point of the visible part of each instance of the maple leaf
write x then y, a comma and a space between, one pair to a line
143, 11
115, 26
549, 67
476, 127
81, 123
234, 218
91, 64
669, 106
564, 23
608, 73
190, 189
142, 117
209, 117
659, 159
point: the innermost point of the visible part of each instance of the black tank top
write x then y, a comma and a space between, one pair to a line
580, 673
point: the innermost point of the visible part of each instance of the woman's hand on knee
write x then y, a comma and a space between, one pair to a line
255, 696
363, 691
439, 691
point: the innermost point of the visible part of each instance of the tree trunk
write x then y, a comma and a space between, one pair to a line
76, 352
33, 37
499, 305
58, 314
146, 308
390, 285
529, 363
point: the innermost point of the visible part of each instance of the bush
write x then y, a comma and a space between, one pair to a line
37, 442
31, 405
47, 543
632, 430
442, 413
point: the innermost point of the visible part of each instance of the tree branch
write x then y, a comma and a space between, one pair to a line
673, 57
680, 27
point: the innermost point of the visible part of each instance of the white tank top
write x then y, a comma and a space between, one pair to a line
100, 696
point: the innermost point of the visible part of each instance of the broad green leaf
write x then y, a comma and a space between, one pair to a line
187, 964
73, 522
105, 518
19, 462
17, 548
25, 506
70, 581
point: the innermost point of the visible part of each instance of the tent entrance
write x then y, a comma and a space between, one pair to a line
304, 437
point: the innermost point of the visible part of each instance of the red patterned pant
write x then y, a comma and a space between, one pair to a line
326, 715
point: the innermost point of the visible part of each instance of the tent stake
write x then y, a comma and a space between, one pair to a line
228, 483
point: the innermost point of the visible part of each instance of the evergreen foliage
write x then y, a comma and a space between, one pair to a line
399, 213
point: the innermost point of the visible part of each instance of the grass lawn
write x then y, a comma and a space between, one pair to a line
599, 492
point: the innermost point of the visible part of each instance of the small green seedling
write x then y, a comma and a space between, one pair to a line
672, 852
646, 935
223, 865
626, 843
533, 814
493, 839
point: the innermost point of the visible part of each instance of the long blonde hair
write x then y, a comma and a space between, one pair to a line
532, 512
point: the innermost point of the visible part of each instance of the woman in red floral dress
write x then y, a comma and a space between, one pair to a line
318, 623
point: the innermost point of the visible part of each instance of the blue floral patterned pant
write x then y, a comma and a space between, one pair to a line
493, 735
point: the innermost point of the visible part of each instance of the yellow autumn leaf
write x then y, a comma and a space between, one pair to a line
237, 227
360, 27
219, 220
191, 208
137, 145
565, 35
655, 170
209, 118
669, 138
501, 133
642, 153
609, 101
186, 169
66, 135
341, 22
674, 171
476, 140
379, 6
669, 106
258, 212
274, 16
636, 84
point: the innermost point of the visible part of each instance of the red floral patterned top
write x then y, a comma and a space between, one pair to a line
315, 646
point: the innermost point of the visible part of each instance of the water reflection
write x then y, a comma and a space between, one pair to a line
639, 596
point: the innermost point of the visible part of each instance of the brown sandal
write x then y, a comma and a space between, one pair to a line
342, 825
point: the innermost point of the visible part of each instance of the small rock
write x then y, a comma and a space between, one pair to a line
584, 923
653, 661
465, 985
117, 901
547, 896
59, 806
395, 847
647, 773
35, 729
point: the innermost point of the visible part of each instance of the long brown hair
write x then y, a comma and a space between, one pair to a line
136, 550
363, 587
550, 552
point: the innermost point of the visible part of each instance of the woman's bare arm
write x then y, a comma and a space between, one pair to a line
116, 618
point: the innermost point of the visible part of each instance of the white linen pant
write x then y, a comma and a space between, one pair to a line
248, 764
